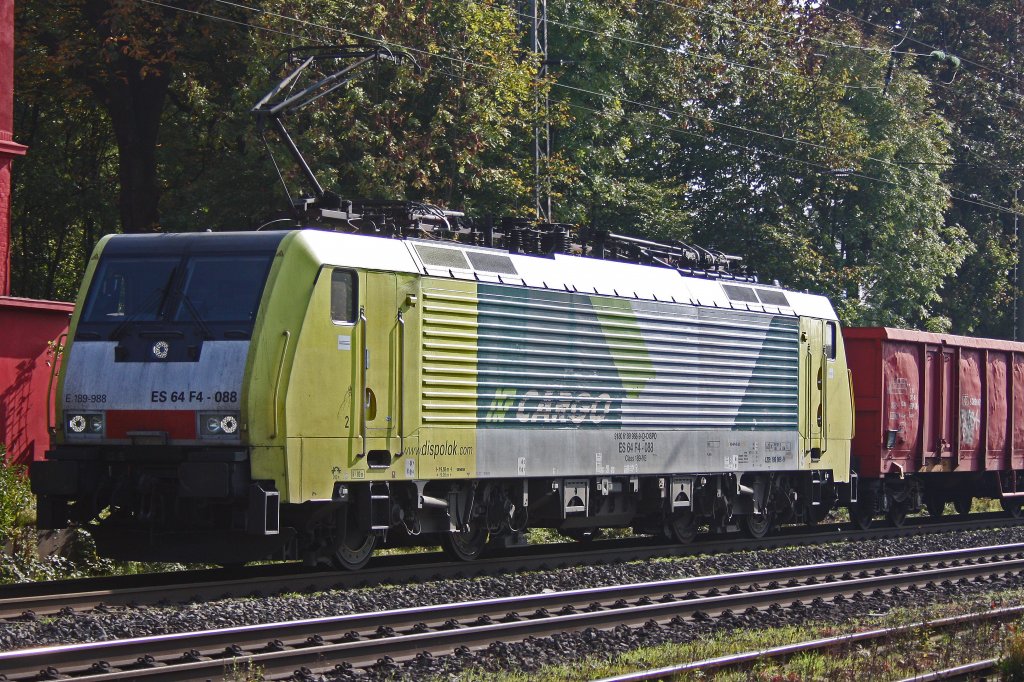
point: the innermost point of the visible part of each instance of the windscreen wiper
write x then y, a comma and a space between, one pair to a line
207, 334
163, 292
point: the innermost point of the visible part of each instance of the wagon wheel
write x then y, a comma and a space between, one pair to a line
467, 545
962, 504
897, 515
1011, 507
936, 505
352, 545
861, 516
756, 525
682, 527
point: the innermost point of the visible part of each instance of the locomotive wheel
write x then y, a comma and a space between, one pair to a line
683, 527
756, 525
1011, 507
354, 550
860, 516
897, 515
467, 545
963, 505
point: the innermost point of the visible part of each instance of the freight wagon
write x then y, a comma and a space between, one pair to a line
939, 419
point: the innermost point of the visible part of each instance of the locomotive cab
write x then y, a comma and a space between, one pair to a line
150, 429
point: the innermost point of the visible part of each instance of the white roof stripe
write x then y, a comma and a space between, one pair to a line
561, 272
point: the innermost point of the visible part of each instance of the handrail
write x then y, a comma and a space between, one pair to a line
824, 390
277, 383
51, 409
365, 389
853, 404
808, 412
401, 382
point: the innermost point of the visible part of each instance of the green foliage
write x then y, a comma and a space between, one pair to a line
16, 501
981, 103
1011, 663
785, 133
20, 560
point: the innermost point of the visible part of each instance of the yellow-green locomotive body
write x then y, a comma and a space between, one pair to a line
317, 393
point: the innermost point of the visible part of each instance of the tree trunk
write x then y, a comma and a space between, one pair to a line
135, 105
133, 92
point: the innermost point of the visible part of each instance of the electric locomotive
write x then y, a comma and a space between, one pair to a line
229, 396
316, 392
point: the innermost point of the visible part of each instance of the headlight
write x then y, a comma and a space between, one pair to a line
229, 424
218, 423
85, 424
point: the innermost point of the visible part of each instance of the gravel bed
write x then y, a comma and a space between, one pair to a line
122, 622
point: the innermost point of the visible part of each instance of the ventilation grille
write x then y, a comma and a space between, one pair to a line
743, 294
492, 262
438, 257
772, 297
748, 295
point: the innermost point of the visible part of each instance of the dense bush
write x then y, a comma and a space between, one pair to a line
16, 502
20, 560
1011, 663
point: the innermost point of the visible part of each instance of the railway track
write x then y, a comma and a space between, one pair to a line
972, 670
390, 637
27, 600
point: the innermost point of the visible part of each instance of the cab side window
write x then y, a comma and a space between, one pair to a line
830, 340
343, 296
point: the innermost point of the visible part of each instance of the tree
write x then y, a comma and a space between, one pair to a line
745, 127
982, 99
784, 133
123, 52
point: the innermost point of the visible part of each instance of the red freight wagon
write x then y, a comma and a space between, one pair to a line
949, 409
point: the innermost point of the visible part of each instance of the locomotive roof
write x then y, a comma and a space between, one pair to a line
174, 243
560, 272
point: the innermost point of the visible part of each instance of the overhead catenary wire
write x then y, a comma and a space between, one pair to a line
916, 41
773, 29
840, 44
605, 96
216, 17
681, 51
1006, 78
569, 103
612, 35
865, 48
822, 167
742, 66
608, 96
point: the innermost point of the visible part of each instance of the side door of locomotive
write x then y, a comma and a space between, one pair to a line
812, 380
379, 336
825, 415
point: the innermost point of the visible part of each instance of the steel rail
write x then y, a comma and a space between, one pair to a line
832, 643
967, 671
362, 639
47, 598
